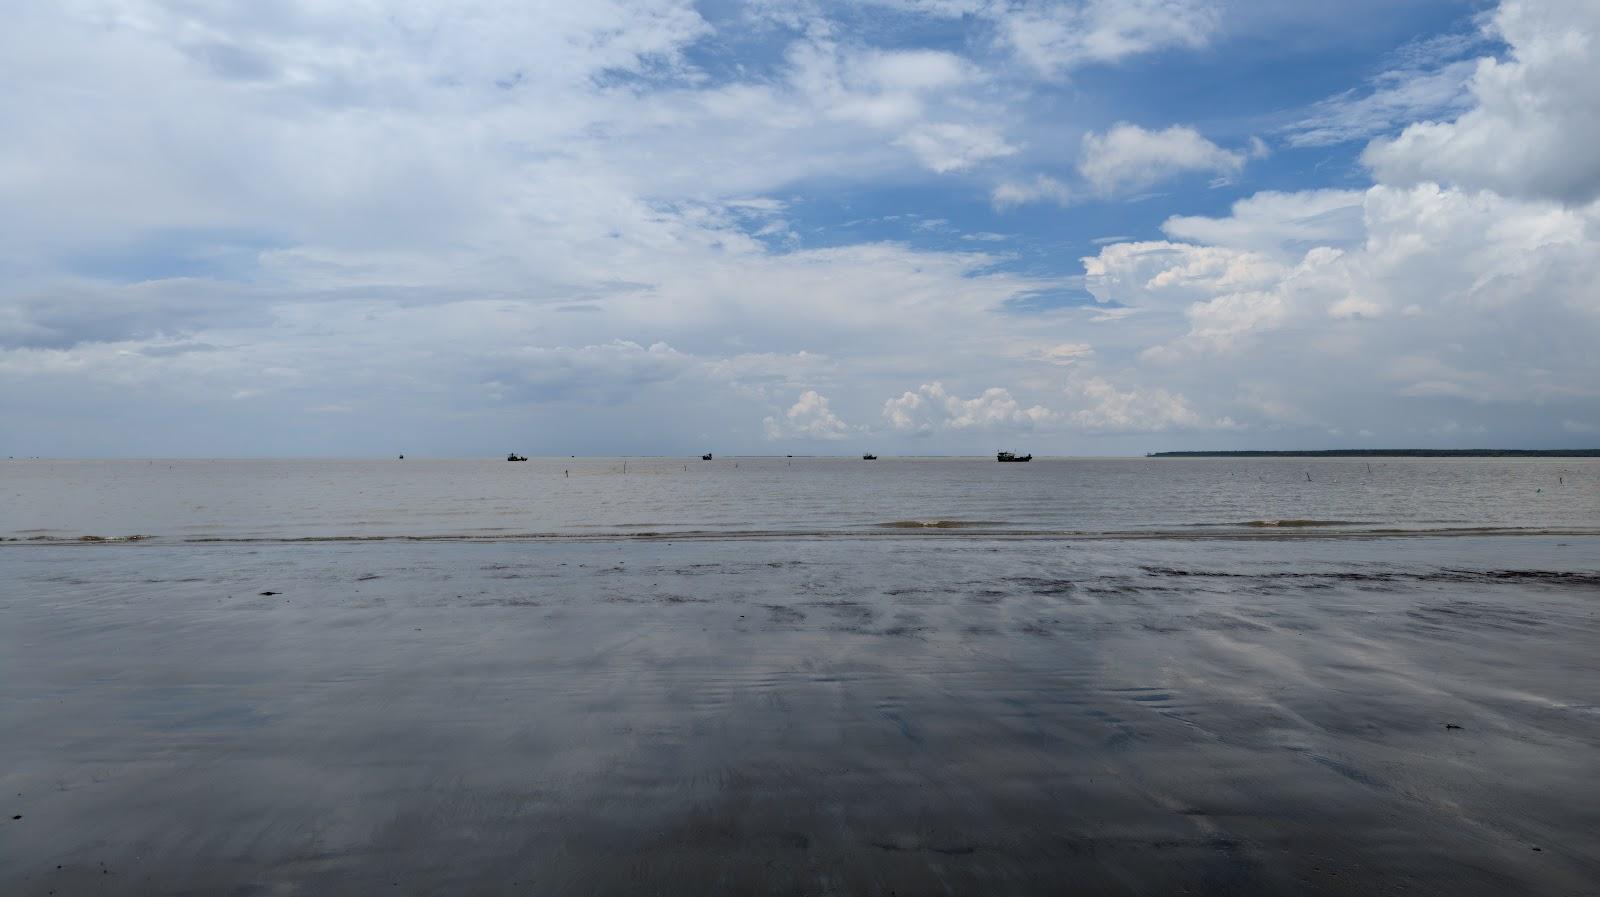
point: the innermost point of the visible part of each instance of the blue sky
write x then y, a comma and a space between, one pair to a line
930, 226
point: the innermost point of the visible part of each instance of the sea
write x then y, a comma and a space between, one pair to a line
773, 675
414, 498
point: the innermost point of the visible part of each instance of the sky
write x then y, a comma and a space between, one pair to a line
1090, 227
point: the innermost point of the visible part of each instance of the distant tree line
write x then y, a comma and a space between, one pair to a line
1392, 453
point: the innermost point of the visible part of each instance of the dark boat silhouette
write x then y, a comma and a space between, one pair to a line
706, 456
869, 457
1008, 457
515, 457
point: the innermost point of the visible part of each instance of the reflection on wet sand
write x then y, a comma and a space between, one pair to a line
873, 716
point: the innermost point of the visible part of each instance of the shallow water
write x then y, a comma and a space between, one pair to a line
582, 497
886, 715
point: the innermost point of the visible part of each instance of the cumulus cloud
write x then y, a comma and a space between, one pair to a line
810, 417
1129, 157
1444, 289
1164, 274
1535, 116
931, 407
599, 227
1451, 294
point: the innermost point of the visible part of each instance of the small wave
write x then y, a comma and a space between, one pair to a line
951, 529
1301, 523
1579, 578
938, 524
134, 538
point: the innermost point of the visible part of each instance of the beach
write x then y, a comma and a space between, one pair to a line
910, 712
902, 448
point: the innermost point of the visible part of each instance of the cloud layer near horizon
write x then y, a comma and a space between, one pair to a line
617, 226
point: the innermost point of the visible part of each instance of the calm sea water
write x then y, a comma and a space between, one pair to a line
888, 692
471, 499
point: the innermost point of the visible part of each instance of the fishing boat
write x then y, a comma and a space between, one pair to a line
516, 457
706, 456
1009, 457
869, 457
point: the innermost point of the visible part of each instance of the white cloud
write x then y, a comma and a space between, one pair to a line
1062, 354
945, 8
481, 129
946, 146
1174, 275
932, 408
1275, 222
809, 417
1397, 98
489, 221
1129, 157
1445, 295
1054, 38
1105, 408
916, 70
1041, 188
1535, 119
1426, 79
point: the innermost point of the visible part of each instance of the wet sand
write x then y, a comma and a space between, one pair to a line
837, 716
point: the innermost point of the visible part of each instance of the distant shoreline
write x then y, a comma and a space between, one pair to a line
1391, 453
